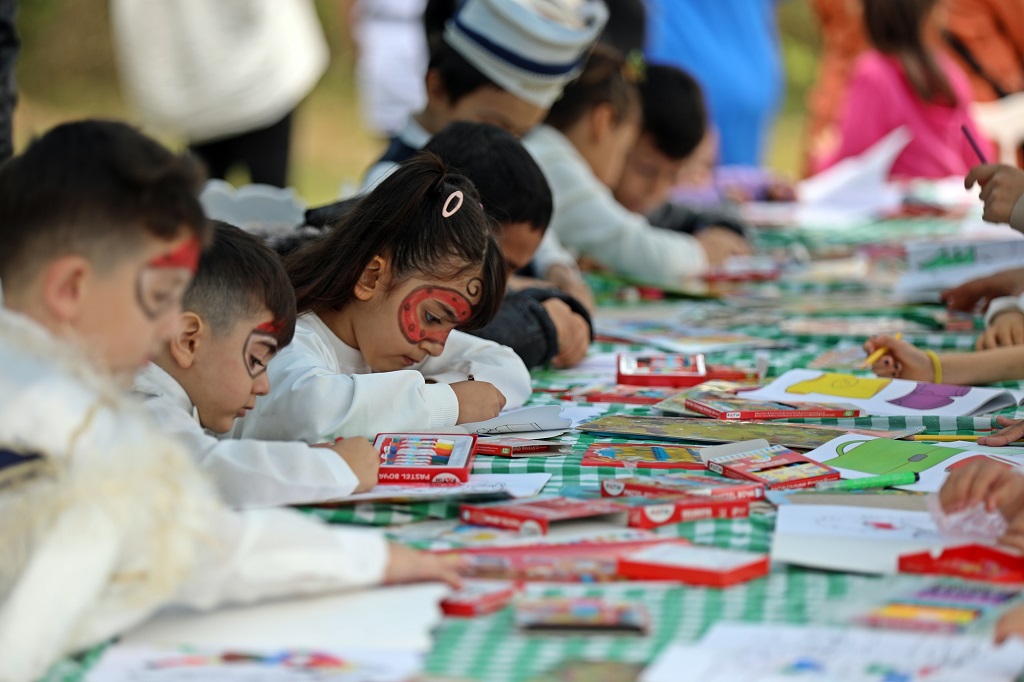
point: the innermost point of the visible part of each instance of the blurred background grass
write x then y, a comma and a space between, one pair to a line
67, 70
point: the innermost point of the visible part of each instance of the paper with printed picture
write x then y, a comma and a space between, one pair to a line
491, 486
856, 456
854, 539
122, 663
773, 652
887, 397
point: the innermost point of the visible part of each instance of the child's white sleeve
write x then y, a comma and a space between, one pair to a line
551, 253
589, 221
1003, 304
464, 355
308, 401
257, 473
270, 553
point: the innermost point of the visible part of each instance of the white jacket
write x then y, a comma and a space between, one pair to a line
247, 473
118, 521
590, 222
321, 388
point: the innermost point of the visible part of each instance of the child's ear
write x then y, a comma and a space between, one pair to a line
371, 280
64, 285
602, 121
185, 344
436, 92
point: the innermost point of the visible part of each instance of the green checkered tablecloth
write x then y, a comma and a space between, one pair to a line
489, 648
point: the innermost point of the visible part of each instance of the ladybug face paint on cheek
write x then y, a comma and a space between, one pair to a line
412, 316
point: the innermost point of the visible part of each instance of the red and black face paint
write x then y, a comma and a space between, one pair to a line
159, 286
430, 313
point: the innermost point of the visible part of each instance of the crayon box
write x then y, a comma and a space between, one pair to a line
426, 458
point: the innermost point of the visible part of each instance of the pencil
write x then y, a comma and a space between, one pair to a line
973, 142
937, 438
879, 352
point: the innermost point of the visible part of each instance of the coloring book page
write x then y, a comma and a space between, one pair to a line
155, 664
862, 456
854, 539
770, 652
886, 397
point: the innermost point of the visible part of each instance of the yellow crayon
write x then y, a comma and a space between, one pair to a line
879, 352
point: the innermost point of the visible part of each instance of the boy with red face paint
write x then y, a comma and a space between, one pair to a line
382, 297
106, 519
238, 313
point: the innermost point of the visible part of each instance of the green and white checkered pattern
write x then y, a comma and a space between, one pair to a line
489, 648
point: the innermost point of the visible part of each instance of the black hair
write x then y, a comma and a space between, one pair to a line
674, 112
512, 186
626, 29
896, 27
436, 14
604, 81
401, 219
458, 77
94, 188
238, 276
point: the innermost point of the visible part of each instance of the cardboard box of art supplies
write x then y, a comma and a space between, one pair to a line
534, 516
427, 458
725, 400
776, 466
680, 483
694, 565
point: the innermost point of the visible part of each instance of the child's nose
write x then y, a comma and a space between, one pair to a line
261, 386
434, 346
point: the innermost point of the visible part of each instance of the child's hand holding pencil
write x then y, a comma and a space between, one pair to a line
889, 356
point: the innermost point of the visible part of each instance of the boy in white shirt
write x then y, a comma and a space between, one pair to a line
106, 518
238, 312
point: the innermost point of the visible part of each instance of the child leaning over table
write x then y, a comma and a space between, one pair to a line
238, 312
106, 519
380, 296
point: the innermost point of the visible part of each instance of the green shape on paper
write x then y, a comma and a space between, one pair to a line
882, 456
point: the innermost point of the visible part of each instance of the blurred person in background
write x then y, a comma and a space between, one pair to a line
391, 60
225, 75
9, 45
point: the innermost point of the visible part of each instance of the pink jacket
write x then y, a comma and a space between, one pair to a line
881, 99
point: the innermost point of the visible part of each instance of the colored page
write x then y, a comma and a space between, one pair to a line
885, 397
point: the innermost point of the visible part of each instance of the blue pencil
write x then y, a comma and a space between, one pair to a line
973, 142
660, 454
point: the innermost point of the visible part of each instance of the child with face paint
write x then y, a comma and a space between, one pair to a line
237, 314
106, 518
379, 297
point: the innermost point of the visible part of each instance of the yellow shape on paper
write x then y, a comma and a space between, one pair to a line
841, 385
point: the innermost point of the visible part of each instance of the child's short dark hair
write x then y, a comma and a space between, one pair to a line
604, 81
239, 276
94, 188
402, 220
512, 186
458, 76
674, 112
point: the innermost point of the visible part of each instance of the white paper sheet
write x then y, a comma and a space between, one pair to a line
853, 539
358, 620
746, 652
936, 266
544, 421
885, 397
511, 485
158, 664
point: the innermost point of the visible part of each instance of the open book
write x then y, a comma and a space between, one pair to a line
886, 397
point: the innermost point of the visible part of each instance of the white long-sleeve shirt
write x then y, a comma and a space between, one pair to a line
589, 221
321, 388
113, 519
247, 473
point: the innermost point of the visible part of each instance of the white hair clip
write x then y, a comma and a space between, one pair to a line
448, 212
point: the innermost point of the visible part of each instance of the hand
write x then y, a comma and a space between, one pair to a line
362, 458
572, 330
1010, 624
1012, 432
903, 361
1014, 535
1007, 330
478, 401
407, 565
720, 243
571, 282
966, 297
998, 486
1001, 187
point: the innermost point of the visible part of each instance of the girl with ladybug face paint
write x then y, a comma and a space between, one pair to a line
385, 291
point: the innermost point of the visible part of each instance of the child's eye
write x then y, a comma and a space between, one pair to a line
432, 319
